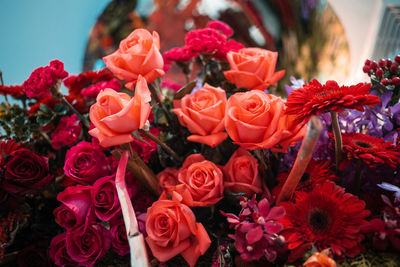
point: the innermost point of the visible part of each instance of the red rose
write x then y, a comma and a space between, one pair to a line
77, 207
26, 172
241, 173
203, 179
58, 251
172, 229
85, 163
167, 178
105, 198
86, 244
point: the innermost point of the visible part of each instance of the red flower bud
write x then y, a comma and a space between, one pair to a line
397, 59
379, 72
396, 81
373, 65
386, 81
366, 69
394, 67
382, 63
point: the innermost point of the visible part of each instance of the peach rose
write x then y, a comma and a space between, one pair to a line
319, 260
253, 68
203, 179
252, 119
167, 178
292, 132
241, 173
138, 54
203, 114
172, 229
116, 115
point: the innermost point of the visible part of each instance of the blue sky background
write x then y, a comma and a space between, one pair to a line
32, 33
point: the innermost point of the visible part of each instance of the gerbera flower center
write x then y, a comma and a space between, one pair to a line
363, 144
318, 220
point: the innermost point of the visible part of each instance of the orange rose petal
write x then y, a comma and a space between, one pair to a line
186, 121
245, 79
212, 140
192, 159
276, 77
94, 112
166, 253
200, 245
107, 141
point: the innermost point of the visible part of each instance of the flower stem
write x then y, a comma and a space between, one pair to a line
338, 140
162, 144
84, 121
303, 158
2, 83
266, 171
154, 87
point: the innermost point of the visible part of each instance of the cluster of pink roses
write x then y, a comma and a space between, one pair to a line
86, 205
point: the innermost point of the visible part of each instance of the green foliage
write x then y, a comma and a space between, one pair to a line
15, 123
373, 259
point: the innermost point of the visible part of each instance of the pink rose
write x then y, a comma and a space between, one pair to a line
119, 239
116, 115
77, 207
67, 132
87, 243
167, 178
138, 54
203, 114
203, 179
58, 251
85, 163
105, 198
241, 173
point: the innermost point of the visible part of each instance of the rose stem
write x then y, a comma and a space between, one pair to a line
338, 140
303, 158
135, 238
2, 83
45, 136
265, 168
56, 91
138, 168
357, 177
162, 144
154, 87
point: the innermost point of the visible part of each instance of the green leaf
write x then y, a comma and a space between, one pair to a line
187, 89
43, 108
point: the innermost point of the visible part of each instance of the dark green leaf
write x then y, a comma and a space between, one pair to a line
187, 89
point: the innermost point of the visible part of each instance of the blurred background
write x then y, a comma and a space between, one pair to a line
324, 39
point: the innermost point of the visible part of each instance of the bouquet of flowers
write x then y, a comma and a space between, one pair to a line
130, 167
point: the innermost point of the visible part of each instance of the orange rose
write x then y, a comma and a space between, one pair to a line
138, 54
292, 132
116, 115
203, 114
167, 178
241, 173
319, 260
253, 68
203, 179
172, 229
252, 119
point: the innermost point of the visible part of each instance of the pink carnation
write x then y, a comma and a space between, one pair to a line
220, 26
205, 40
183, 54
171, 85
67, 132
231, 45
93, 90
43, 79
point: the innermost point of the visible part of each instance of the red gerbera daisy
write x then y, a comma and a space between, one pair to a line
314, 99
316, 172
327, 217
370, 149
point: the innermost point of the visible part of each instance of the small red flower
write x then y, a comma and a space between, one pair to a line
182, 54
205, 40
75, 83
12, 90
370, 149
327, 217
316, 172
314, 99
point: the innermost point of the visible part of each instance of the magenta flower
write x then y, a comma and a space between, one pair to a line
67, 132
257, 229
220, 26
93, 90
205, 40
